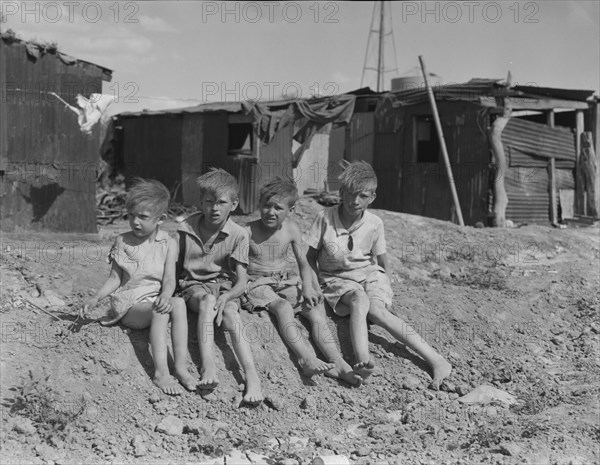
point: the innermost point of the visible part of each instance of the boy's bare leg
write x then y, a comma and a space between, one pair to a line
292, 335
322, 336
179, 338
359, 304
407, 335
205, 305
158, 343
241, 347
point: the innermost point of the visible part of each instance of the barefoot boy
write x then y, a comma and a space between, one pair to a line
214, 255
272, 238
347, 247
142, 281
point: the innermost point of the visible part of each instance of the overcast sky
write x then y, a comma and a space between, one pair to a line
215, 51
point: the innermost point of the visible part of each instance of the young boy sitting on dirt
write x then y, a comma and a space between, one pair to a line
213, 251
271, 287
348, 252
142, 281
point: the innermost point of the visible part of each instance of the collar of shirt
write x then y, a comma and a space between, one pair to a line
339, 226
189, 226
161, 236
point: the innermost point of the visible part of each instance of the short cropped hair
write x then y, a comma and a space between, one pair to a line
280, 186
218, 182
150, 193
358, 176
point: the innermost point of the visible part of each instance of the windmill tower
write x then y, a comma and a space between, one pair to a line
381, 48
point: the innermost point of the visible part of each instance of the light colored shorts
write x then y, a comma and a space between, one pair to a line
214, 287
264, 290
376, 285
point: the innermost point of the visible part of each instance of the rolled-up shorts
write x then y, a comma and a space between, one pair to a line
262, 291
214, 287
376, 285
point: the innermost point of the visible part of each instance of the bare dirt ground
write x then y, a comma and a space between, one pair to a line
516, 309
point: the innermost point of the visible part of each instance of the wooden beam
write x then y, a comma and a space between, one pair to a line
580, 194
438, 127
529, 103
553, 203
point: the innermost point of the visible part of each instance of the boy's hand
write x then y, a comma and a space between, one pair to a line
311, 297
84, 312
162, 304
219, 307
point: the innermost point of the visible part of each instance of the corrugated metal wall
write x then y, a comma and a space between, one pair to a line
337, 146
422, 188
360, 137
50, 167
152, 147
529, 146
311, 172
191, 156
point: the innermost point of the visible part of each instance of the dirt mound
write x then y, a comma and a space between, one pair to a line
516, 309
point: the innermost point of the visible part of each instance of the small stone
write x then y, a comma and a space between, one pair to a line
170, 425
558, 340
275, 402
308, 403
510, 449
362, 451
199, 427
154, 398
139, 448
23, 425
411, 383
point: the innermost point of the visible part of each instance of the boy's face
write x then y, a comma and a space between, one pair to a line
355, 203
274, 211
143, 220
217, 209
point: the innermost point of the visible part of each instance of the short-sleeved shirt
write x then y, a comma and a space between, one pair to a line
201, 263
142, 269
333, 243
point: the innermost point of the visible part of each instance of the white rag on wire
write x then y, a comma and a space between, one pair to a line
90, 110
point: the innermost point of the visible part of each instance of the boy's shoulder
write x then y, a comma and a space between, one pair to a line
372, 218
232, 228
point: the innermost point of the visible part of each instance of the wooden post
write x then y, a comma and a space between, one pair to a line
553, 206
438, 127
580, 203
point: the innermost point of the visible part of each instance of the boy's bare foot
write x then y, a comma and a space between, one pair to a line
168, 385
364, 369
186, 379
344, 371
441, 370
315, 367
208, 379
253, 394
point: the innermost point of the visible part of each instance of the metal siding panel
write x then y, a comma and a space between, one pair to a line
192, 131
337, 146
311, 172
152, 149
540, 139
275, 159
527, 191
360, 137
51, 163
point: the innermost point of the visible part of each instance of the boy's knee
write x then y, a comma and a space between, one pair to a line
316, 314
357, 297
231, 316
280, 306
378, 314
203, 302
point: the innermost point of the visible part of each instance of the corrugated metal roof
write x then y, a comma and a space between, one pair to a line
539, 139
476, 88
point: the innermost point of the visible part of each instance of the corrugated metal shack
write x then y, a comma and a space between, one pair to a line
48, 166
412, 176
176, 146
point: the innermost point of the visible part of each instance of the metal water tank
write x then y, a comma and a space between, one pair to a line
414, 82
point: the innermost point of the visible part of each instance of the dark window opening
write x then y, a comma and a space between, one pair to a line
428, 145
240, 139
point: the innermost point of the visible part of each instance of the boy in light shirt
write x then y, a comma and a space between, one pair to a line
348, 252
